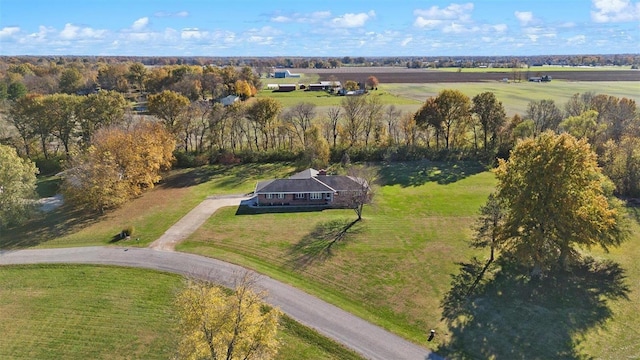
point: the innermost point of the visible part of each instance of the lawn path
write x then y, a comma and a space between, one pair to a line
193, 220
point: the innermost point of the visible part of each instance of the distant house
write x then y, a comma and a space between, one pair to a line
281, 74
325, 85
229, 100
286, 87
545, 78
310, 187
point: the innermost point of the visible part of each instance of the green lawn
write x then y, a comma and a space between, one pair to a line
98, 312
394, 268
324, 99
391, 268
151, 214
516, 96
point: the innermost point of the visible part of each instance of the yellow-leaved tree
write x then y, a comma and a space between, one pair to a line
220, 324
119, 164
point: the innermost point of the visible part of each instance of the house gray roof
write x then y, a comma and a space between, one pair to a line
309, 181
292, 186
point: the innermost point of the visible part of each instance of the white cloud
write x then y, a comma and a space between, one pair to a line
310, 18
9, 31
615, 11
74, 32
192, 33
421, 22
461, 12
140, 24
500, 28
171, 14
577, 40
281, 19
525, 17
406, 41
353, 20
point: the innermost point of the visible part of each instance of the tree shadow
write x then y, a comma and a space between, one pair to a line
510, 316
420, 172
192, 177
44, 226
319, 243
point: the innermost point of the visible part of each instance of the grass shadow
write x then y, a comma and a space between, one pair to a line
319, 243
44, 226
192, 177
509, 316
421, 172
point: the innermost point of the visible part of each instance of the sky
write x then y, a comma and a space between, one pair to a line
319, 28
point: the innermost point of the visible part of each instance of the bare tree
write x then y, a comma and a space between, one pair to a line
365, 177
333, 115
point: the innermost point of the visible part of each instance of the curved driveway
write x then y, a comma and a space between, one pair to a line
370, 340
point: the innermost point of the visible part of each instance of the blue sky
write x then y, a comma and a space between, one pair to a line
318, 27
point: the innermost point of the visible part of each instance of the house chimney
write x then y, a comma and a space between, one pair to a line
322, 172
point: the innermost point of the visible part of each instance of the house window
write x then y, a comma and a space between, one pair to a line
269, 196
299, 196
316, 196
280, 196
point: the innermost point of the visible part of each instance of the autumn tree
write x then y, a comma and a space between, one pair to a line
61, 111
353, 113
544, 114
263, 114
300, 116
621, 163
105, 108
372, 82
333, 123
487, 227
17, 187
490, 114
170, 107
216, 324
583, 125
137, 75
24, 113
317, 149
351, 85
555, 199
70, 81
449, 112
119, 164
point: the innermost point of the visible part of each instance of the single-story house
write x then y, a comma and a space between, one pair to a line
310, 187
281, 74
545, 78
229, 100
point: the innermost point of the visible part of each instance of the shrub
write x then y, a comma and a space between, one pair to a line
127, 231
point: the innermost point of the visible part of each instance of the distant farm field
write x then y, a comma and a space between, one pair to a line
516, 96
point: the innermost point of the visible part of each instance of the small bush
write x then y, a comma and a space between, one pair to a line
127, 231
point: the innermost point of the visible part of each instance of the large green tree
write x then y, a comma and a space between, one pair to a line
17, 186
556, 199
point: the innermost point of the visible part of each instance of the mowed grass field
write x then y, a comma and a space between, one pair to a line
151, 214
394, 268
99, 312
516, 96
